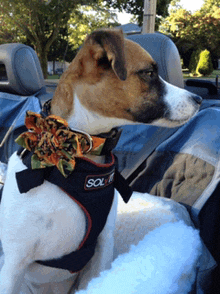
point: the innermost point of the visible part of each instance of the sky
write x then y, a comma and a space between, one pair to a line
192, 5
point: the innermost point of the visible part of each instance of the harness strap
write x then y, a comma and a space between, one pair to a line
90, 185
75, 260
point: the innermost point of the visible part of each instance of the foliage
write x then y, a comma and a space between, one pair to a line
61, 49
137, 8
194, 60
205, 66
191, 31
7, 35
87, 19
38, 20
209, 5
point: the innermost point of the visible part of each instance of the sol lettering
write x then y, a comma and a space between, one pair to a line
99, 181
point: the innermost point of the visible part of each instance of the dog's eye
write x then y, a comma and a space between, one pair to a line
146, 73
149, 73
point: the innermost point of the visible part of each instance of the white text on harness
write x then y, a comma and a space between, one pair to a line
98, 181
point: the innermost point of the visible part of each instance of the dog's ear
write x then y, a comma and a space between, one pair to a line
110, 48
102, 50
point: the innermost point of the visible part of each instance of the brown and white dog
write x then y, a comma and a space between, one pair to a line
111, 82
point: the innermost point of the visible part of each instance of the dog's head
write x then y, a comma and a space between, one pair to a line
117, 81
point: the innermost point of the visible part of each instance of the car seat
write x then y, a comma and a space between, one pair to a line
21, 88
20, 70
166, 55
137, 144
181, 163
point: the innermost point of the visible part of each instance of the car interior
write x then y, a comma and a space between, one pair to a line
22, 88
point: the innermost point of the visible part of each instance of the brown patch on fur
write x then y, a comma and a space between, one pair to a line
104, 76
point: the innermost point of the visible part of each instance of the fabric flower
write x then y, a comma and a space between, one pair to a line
54, 143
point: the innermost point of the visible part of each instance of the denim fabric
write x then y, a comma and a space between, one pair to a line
12, 111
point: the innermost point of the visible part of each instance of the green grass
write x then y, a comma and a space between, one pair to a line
53, 77
186, 75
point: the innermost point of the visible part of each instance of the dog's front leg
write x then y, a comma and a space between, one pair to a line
103, 256
12, 275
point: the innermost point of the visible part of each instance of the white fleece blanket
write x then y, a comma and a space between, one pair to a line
165, 259
156, 251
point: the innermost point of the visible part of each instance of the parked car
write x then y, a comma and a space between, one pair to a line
59, 71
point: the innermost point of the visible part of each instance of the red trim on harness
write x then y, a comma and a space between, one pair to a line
88, 216
83, 208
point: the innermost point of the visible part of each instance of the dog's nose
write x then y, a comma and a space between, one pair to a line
197, 99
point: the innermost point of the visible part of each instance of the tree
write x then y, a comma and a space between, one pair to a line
9, 33
87, 19
137, 8
174, 5
39, 21
194, 60
191, 31
61, 49
82, 22
204, 66
210, 5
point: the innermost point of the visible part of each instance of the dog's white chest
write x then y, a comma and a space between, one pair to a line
50, 223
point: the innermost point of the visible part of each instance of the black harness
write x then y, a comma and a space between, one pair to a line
92, 186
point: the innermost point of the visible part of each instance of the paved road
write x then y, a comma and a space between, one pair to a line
52, 82
51, 85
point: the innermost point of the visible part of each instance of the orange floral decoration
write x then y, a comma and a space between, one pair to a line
53, 143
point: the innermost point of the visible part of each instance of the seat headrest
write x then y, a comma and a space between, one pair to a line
20, 70
165, 53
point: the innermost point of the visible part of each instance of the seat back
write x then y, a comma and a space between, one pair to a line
21, 84
165, 53
20, 70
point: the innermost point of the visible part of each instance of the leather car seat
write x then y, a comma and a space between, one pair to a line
20, 70
165, 53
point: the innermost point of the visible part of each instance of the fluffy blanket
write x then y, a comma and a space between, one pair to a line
165, 255
157, 250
